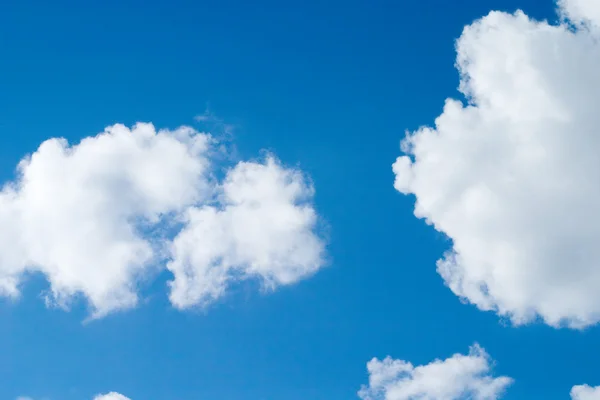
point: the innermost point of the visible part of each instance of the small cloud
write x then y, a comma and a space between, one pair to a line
111, 396
460, 376
585, 392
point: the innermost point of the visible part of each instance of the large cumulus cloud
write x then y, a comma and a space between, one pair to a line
99, 217
513, 176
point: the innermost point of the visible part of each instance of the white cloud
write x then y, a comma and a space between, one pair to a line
585, 392
107, 396
111, 396
75, 212
264, 228
581, 12
458, 377
96, 218
513, 177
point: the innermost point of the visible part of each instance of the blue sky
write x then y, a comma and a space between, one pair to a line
329, 88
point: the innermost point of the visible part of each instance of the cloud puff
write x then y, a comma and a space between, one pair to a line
513, 177
460, 376
263, 228
585, 392
98, 217
107, 396
581, 12
111, 396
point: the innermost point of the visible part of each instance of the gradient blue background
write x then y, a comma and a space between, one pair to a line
327, 85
